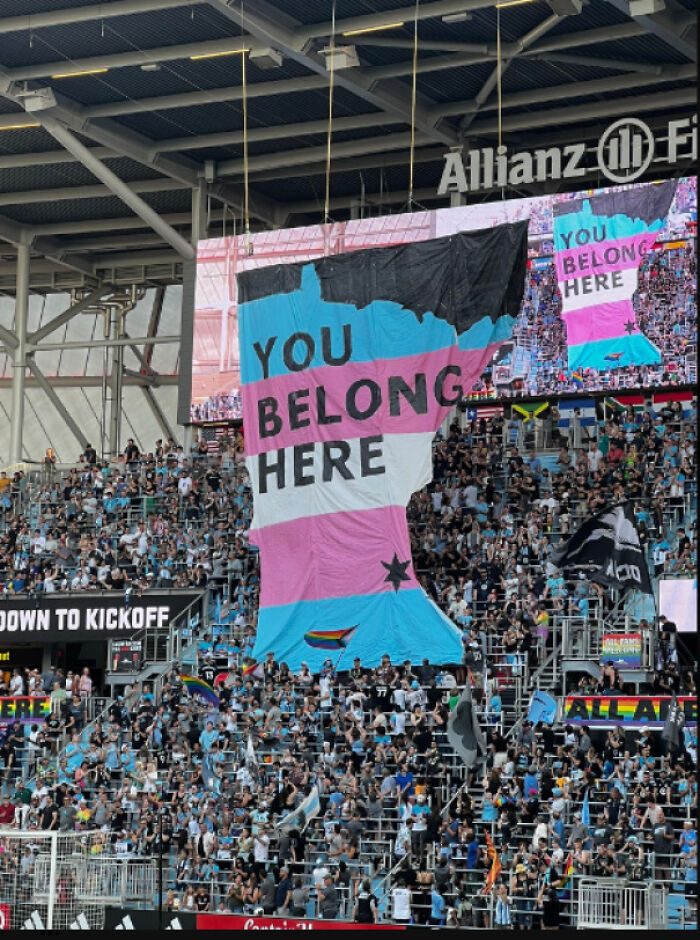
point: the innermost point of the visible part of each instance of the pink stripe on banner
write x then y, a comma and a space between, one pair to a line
605, 321
336, 380
602, 257
335, 555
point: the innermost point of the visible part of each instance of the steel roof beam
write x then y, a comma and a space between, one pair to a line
387, 17
586, 112
523, 43
343, 149
18, 235
189, 99
569, 90
62, 318
87, 381
122, 141
669, 26
68, 140
50, 392
280, 31
102, 11
28, 197
596, 62
569, 115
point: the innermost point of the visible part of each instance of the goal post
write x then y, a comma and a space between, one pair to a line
64, 880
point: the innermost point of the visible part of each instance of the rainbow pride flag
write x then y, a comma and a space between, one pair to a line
564, 884
196, 686
329, 639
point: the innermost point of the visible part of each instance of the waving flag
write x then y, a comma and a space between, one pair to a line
300, 817
564, 884
528, 411
608, 546
254, 670
349, 364
496, 866
586, 409
196, 686
586, 810
542, 708
329, 639
599, 245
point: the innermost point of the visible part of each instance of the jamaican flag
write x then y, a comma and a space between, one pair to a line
530, 411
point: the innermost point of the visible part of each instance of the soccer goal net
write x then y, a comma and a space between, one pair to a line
64, 881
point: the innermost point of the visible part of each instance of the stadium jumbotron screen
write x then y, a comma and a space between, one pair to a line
609, 298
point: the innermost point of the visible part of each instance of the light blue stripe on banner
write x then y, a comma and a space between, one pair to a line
636, 351
606, 228
383, 330
406, 625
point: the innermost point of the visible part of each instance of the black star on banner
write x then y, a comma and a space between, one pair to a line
397, 571
630, 326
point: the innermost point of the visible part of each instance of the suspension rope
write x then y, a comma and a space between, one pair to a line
414, 96
246, 188
331, 83
499, 76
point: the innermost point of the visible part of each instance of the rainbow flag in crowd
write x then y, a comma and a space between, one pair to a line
329, 639
197, 686
577, 378
253, 670
564, 889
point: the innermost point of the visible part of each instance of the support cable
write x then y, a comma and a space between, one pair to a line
414, 95
331, 82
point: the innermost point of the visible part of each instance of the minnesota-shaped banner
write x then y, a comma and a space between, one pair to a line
349, 364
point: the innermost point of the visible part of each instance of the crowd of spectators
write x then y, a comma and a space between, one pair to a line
165, 772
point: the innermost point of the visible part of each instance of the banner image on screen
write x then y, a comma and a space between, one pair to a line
599, 246
573, 333
678, 601
349, 364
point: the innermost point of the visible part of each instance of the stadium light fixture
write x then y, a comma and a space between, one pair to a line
456, 17
17, 127
513, 3
340, 57
218, 55
79, 74
646, 7
372, 29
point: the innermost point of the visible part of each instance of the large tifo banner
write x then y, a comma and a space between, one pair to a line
663, 308
599, 245
72, 618
349, 364
630, 712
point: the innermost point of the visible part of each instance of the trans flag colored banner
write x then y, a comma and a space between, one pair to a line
599, 245
349, 364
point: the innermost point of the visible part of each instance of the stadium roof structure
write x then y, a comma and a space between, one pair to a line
122, 122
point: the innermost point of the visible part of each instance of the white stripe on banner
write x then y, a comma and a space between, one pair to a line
593, 290
407, 458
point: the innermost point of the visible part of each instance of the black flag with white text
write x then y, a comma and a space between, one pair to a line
607, 546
